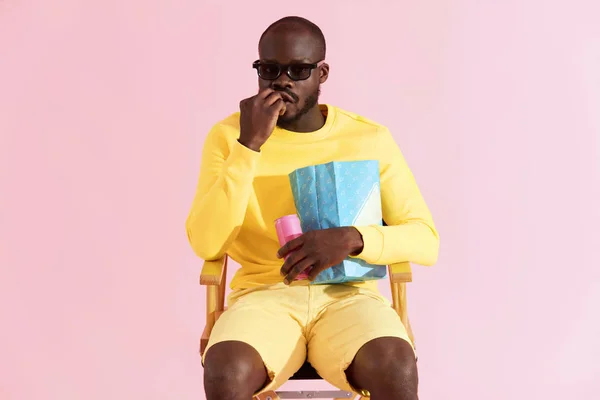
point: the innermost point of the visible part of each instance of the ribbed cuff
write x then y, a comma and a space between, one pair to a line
372, 244
242, 161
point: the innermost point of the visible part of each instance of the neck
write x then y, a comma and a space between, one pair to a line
312, 121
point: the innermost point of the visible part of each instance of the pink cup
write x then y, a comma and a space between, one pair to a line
288, 228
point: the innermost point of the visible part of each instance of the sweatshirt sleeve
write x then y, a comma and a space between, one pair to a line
410, 234
222, 194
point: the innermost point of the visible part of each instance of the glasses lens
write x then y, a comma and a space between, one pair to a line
299, 72
268, 71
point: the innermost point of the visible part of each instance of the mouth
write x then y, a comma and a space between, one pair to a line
287, 98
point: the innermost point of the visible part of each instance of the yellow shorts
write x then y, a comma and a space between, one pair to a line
324, 324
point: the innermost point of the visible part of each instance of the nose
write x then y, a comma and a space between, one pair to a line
282, 82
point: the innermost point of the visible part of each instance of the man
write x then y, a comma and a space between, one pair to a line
274, 323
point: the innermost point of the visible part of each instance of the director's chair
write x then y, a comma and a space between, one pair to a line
214, 276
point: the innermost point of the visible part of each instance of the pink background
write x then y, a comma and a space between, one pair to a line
103, 109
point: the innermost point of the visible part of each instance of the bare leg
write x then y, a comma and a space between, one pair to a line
233, 371
387, 368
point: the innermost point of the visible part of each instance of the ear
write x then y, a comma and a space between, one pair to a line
323, 73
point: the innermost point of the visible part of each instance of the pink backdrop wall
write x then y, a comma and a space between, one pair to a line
103, 111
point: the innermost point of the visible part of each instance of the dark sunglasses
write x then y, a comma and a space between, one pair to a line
296, 72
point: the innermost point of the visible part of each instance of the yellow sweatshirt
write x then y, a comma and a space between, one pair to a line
240, 193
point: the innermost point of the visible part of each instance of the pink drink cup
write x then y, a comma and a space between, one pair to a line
288, 228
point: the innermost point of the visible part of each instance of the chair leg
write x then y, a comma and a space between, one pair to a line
270, 395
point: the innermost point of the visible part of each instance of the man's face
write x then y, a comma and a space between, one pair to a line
285, 47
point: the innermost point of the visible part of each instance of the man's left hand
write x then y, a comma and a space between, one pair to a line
319, 250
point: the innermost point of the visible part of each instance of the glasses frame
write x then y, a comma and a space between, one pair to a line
286, 67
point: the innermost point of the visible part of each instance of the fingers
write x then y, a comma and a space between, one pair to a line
292, 260
263, 94
272, 96
296, 269
290, 246
282, 108
268, 98
274, 102
316, 270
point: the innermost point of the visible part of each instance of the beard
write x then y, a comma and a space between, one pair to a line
311, 101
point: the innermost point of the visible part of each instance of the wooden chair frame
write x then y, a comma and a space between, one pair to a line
214, 277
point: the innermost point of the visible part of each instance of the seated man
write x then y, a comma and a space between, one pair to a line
348, 332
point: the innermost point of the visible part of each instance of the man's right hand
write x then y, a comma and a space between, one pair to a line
258, 116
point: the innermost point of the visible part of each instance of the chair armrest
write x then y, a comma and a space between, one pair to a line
400, 272
213, 276
213, 272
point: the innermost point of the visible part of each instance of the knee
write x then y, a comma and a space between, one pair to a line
385, 364
233, 369
384, 356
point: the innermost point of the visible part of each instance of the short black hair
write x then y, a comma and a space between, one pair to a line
303, 23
